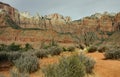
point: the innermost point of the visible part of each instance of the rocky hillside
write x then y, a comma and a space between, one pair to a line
10, 11
42, 22
7, 21
24, 20
114, 39
105, 22
21, 27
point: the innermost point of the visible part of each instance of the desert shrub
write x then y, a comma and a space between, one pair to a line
14, 47
54, 50
92, 49
27, 47
27, 63
88, 62
3, 56
114, 46
80, 46
71, 48
102, 48
49, 45
112, 54
72, 66
13, 56
109, 33
3, 47
53, 43
64, 49
9, 56
15, 73
41, 53
11, 47
86, 39
67, 67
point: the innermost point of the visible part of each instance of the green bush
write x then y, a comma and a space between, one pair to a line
14, 47
9, 56
27, 63
54, 50
13, 56
92, 49
71, 48
41, 53
64, 49
80, 46
27, 47
4, 56
72, 66
114, 47
102, 49
112, 54
3, 47
88, 62
67, 67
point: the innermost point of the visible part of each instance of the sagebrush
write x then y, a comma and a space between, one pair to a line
27, 63
72, 66
112, 54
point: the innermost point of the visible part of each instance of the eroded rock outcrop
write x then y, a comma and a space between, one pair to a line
106, 22
58, 19
117, 22
42, 22
28, 21
103, 22
54, 25
9, 10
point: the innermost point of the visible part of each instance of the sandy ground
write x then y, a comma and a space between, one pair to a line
103, 68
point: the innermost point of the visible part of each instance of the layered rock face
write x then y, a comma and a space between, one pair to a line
2, 18
58, 19
27, 21
12, 12
58, 22
117, 22
53, 26
42, 22
104, 22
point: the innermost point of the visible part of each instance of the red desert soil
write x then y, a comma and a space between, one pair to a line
103, 68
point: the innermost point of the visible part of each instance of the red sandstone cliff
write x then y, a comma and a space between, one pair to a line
12, 12
42, 22
104, 22
51, 24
